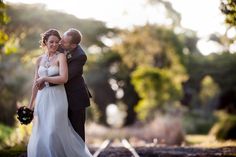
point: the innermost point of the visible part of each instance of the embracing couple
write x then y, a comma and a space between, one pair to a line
59, 98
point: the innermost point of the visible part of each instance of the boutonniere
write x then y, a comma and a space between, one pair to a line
68, 56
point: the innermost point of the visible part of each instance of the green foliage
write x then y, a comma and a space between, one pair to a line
150, 45
13, 151
198, 121
219, 67
11, 81
5, 132
228, 7
3, 15
209, 89
4, 19
223, 66
3, 37
155, 88
225, 128
154, 55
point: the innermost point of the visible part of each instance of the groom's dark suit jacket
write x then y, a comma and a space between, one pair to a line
76, 89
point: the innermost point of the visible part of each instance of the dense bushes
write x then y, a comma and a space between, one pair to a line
225, 128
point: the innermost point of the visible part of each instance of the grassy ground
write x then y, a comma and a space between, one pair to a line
207, 141
12, 151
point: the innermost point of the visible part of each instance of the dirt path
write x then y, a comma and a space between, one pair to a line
158, 152
170, 152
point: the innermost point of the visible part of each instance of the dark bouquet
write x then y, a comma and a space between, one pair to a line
25, 115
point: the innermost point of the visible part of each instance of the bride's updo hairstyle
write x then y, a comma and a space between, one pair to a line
47, 34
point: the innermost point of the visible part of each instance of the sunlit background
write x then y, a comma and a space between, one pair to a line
161, 72
204, 17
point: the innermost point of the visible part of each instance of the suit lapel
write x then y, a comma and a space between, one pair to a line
69, 57
72, 54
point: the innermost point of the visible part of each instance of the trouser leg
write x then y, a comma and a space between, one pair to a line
77, 119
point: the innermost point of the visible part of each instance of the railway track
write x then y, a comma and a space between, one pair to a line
122, 148
103, 146
124, 142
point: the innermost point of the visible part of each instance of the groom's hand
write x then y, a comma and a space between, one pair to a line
39, 85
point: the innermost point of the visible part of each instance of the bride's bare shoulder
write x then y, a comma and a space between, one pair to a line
39, 59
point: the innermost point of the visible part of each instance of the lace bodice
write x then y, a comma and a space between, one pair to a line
51, 71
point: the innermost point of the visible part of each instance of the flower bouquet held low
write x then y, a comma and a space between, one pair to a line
25, 115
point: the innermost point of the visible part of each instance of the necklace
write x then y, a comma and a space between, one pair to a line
49, 60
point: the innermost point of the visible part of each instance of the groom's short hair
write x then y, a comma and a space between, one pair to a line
75, 34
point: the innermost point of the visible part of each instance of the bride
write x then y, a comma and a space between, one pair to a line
52, 133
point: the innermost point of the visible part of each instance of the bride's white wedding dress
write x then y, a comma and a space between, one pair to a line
52, 134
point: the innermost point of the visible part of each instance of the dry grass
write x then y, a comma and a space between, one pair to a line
207, 141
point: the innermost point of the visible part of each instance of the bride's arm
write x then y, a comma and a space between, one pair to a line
63, 72
34, 88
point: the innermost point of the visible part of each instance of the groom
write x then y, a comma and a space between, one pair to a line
76, 89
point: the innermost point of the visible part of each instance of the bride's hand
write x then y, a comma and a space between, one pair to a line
30, 106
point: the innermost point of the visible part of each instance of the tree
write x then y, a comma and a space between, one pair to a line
156, 89
11, 81
228, 8
153, 55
